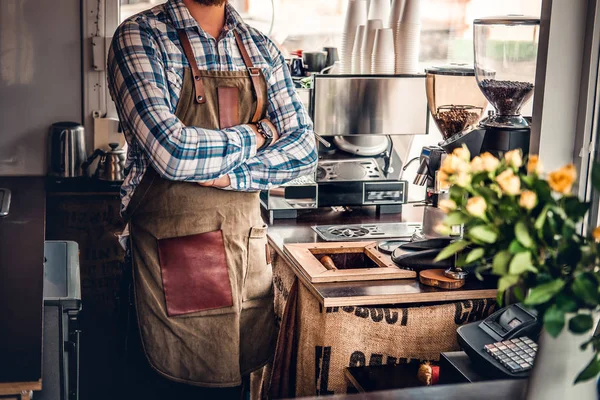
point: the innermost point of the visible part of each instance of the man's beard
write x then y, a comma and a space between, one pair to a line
210, 2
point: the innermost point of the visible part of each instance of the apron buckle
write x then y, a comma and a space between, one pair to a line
253, 71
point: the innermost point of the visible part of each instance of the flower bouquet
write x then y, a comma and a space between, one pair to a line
525, 228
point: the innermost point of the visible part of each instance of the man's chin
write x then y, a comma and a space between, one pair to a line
210, 2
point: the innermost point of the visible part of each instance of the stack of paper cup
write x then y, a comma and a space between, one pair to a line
380, 9
383, 58
358, 41
367, 45
356, 15
408, 38
396, 15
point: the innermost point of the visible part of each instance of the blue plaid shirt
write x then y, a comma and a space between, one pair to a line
145, 75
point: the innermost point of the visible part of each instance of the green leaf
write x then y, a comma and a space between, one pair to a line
575, 209
554, 321
456, 218
565, 303
581, 323
585, 289
521, 263
591, 371
539, 222
516, 247
488, 194
483, 233
542, 293
522, 234
500, 263
596, 176
504, 283
451, 250
528, 180
475, 255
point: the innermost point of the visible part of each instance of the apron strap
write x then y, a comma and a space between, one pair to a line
254, 75
200, 97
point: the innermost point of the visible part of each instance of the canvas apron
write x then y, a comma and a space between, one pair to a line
203, 286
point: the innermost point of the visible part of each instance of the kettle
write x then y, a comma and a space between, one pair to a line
111, 166
66, 150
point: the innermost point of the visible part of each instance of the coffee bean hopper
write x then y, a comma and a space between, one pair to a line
505, 51
456, 105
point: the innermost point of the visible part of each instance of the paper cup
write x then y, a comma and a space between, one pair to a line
396, 13
356, 14
383, 55
367, 45
408, 38
411, 12
380, 9
358, 41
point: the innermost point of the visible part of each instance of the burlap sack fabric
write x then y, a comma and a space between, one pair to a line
332, 339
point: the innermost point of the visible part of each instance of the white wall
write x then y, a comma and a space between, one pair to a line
40, 78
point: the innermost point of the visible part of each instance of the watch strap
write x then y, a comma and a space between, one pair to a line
268, 137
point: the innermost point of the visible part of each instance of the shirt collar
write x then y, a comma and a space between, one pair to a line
182, 19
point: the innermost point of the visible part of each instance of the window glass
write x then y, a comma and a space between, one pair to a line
446, 36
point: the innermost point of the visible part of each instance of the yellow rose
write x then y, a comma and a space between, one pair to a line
514, 158
462, 153
596, 234
509, 182
476, 206
447, 205
477, 165
562, 180
528, 200
453, 164
490, 163
443, 179
534, 165
443, 230
463, 179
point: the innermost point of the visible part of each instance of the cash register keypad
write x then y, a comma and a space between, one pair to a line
516, 355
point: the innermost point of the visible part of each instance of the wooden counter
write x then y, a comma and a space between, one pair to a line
21, 285
400, 291
495, 390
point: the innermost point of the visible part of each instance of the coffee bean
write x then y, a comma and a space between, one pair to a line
506, 96
454, 119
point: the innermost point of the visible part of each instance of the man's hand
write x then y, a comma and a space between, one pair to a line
260, 139
220, 183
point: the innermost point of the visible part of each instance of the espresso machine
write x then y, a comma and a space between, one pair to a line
356, 118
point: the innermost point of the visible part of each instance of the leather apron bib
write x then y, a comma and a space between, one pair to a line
203, 287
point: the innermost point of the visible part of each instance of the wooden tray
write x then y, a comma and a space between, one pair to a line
306, 258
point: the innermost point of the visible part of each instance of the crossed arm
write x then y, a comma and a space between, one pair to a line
138, 85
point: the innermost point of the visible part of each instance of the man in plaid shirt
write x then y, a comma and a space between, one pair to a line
145, 73
211, 116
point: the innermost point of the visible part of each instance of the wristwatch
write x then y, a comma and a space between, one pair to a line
266, 133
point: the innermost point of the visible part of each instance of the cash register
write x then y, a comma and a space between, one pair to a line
504, 345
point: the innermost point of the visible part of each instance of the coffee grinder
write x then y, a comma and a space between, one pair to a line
456, 105
505, 51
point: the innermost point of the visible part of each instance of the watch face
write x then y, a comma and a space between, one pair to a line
266, 132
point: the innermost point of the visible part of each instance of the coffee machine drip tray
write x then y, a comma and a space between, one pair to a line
341, 233
364, 169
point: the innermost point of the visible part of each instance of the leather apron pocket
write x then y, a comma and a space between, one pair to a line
194, 273
258, 280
